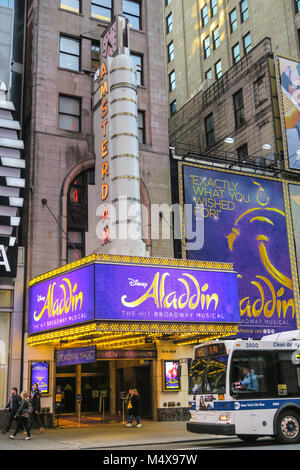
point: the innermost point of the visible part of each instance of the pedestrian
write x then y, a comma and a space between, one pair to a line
12, 406
23, 417
133, 408
35, 400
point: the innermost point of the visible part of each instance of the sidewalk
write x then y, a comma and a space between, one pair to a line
102, 436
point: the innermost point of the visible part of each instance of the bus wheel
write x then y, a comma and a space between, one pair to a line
247, 437
288, 427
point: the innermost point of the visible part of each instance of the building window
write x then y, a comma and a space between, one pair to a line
141, 127
209, 130
168, 2
216, 37
171, 51
173, 108
236, 55
77, 214
208, 74
95, 55
242, 153
244, 10
297, 6
233, 20
75, 246
206, 47
138, 60
132, 11
213, 7
239, 110
172, 81
218, 69
288, 372
169, 23
204, 15
69, 113
101, 9
71, 5
69, 53
247, 43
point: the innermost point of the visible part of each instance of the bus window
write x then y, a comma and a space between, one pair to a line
216, 374
196, 377
208, 375
253, 374
288, 374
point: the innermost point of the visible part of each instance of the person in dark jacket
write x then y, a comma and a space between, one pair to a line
23, 417
35, 400
133, 400
12, 406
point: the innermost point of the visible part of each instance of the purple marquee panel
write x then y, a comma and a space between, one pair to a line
62, 301
143, 293
133, 292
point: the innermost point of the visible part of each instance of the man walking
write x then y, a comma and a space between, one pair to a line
35, 400
12, 406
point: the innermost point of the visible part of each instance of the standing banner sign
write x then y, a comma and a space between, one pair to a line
40, 374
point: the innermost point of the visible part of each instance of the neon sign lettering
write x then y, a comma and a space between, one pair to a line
104, 149
157, 291
70, 301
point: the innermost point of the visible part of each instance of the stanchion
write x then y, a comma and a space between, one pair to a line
79, 398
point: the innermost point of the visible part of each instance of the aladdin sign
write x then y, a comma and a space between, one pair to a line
133, 293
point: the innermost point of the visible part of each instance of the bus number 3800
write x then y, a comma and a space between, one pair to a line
252, 345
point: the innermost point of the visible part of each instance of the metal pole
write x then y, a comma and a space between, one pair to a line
79, 412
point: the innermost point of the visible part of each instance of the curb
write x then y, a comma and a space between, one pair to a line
127, 444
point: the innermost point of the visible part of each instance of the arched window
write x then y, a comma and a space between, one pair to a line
77, 215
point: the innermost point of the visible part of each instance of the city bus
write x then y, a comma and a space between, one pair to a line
247, 388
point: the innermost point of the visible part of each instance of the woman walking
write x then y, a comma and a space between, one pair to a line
23, 417
133, 408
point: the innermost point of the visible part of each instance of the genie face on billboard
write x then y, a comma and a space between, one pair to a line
245, 224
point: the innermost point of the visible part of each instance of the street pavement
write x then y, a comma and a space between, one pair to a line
102, 436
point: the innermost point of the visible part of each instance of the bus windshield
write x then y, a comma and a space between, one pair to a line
208, 375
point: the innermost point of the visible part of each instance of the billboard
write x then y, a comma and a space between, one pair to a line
245, 223
288, 83
294, 190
